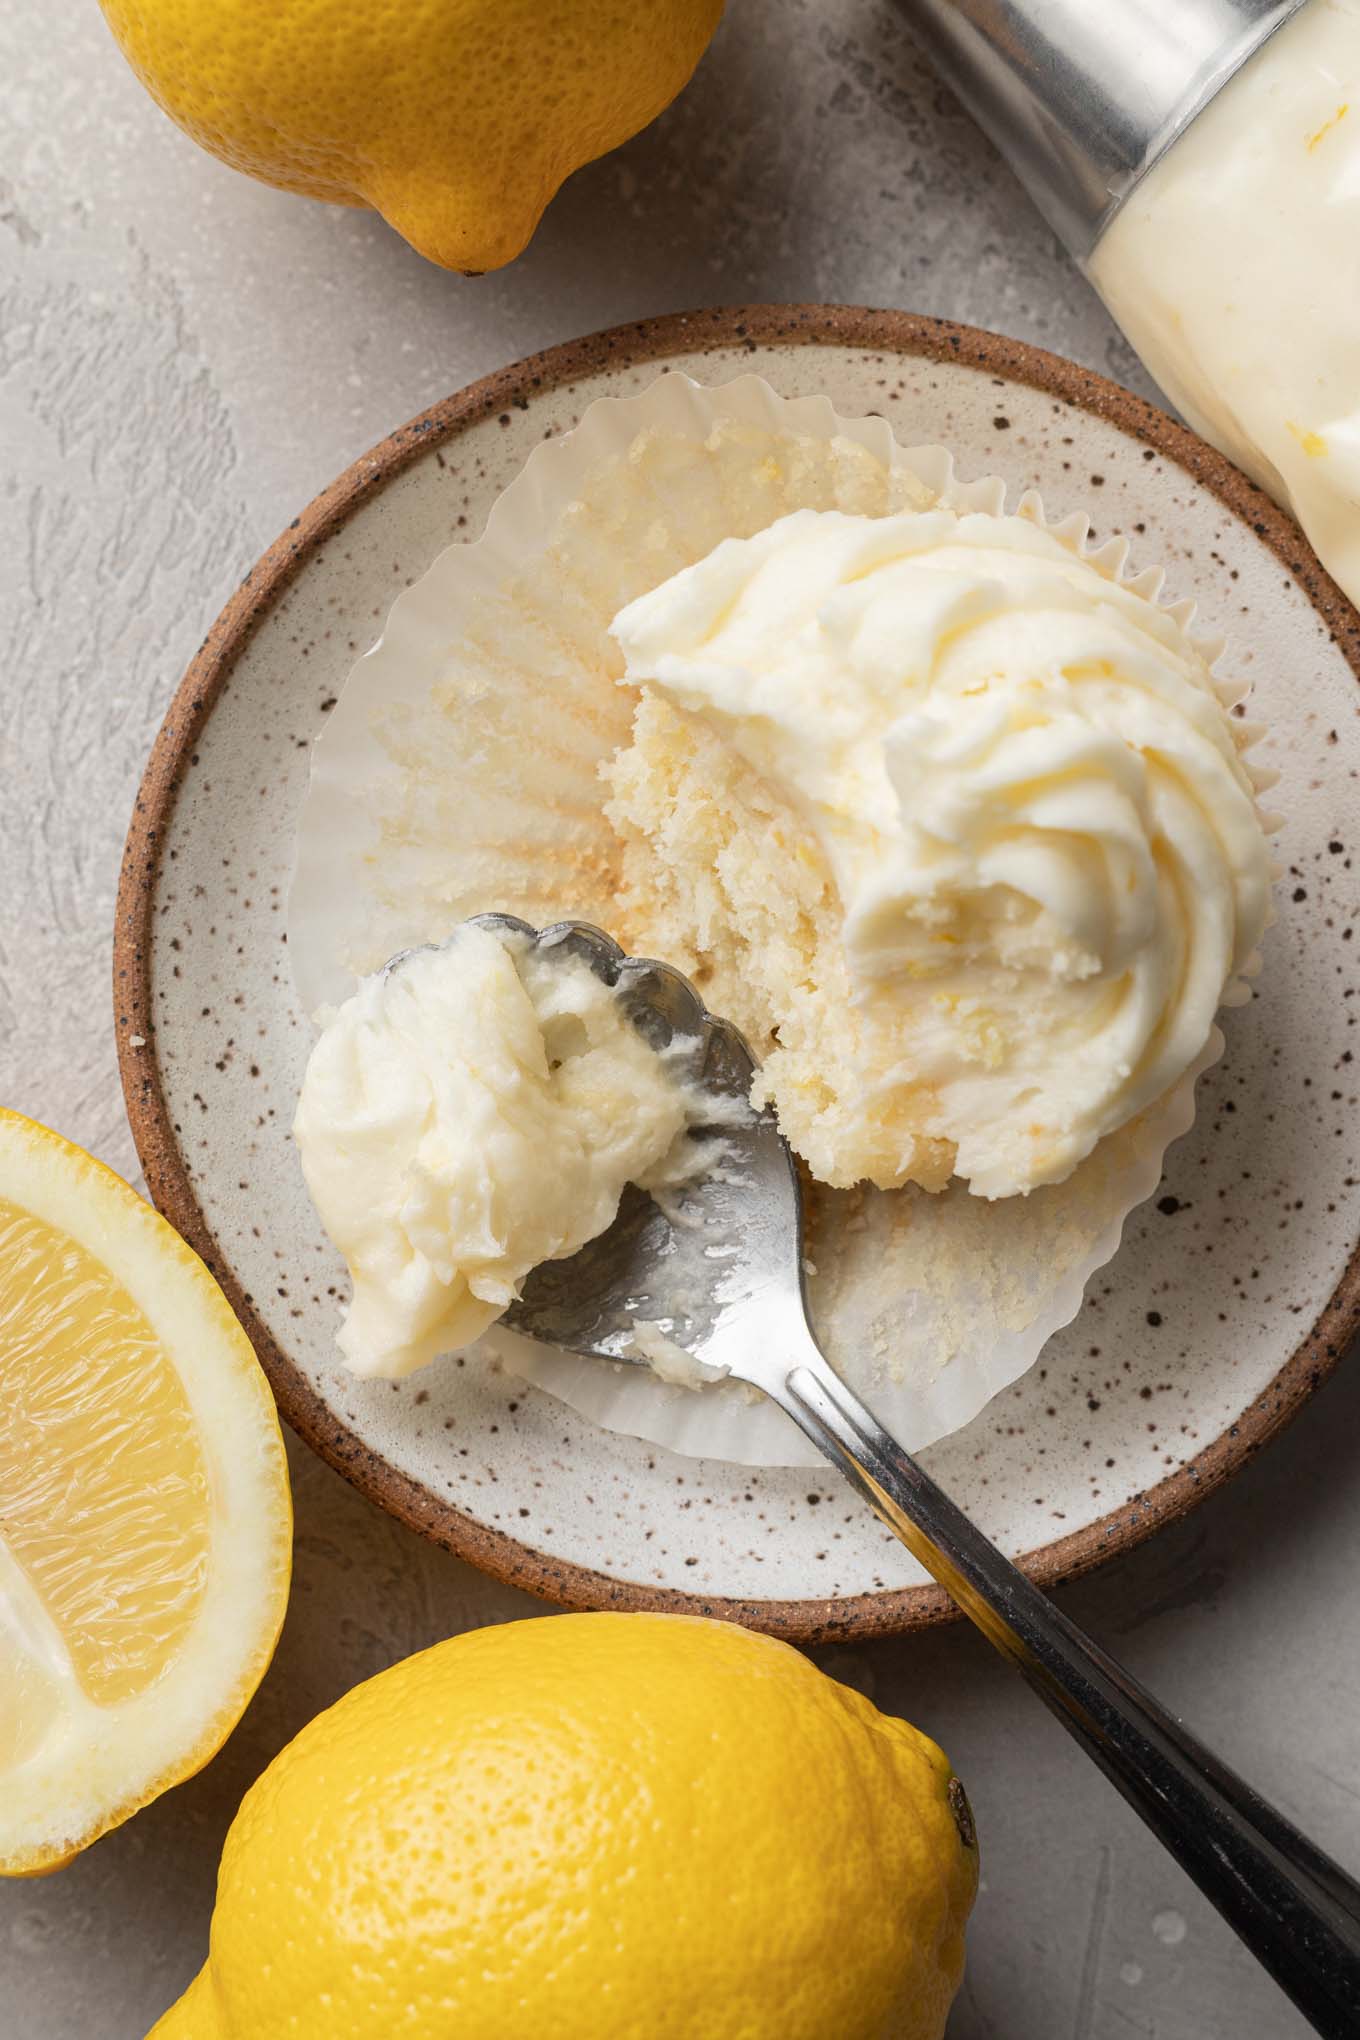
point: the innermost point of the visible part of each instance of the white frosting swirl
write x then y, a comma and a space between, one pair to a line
1043, 843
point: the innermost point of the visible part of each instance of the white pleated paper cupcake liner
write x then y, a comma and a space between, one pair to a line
460, 773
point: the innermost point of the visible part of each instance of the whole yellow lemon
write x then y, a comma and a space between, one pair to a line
456, 119
593, 1827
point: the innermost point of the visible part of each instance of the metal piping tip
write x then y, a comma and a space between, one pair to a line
1083, 96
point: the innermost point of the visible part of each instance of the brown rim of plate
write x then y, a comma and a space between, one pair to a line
886, 332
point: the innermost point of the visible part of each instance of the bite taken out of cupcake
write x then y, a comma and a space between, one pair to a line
954, 827
951, 818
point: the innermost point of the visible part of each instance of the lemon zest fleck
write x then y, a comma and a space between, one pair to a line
1328, 125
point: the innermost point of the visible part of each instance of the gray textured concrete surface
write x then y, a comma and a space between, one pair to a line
185, 358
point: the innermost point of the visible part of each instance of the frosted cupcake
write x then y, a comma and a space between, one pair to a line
948, 814
951, 824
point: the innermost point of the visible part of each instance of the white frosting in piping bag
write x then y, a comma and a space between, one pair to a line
1234, 268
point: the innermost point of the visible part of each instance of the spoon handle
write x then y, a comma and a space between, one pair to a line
1295, 1908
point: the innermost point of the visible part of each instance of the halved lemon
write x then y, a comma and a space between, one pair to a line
145, 1519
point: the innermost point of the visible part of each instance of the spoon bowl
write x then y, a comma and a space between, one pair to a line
721, 1255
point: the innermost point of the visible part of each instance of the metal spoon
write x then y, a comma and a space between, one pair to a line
723, 1280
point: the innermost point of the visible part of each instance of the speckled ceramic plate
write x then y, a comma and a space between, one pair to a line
1235, 1288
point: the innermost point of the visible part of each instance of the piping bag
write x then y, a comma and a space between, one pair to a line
1200, 159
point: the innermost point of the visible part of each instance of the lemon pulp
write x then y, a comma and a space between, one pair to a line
144, 1515
104, 1498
